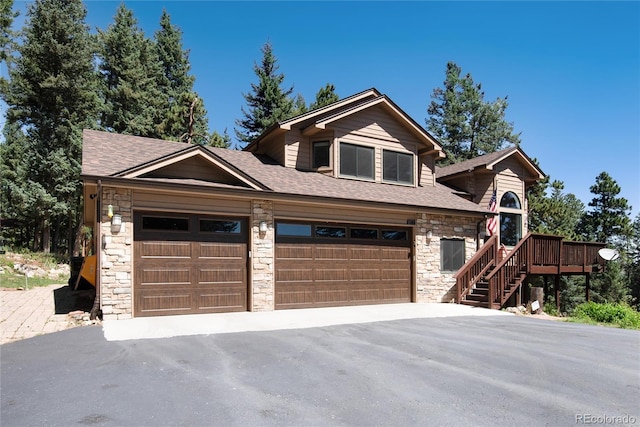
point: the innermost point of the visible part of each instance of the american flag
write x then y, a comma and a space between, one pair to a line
492, 221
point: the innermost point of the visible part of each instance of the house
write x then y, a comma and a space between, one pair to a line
343, 205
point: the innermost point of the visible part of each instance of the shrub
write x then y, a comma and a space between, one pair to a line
620, 315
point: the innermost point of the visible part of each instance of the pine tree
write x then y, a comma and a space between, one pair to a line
184, 118
325, 96
52, 96
218, 140
7, 15
608, 221
465, 124
557, 214
634, 263
131, 72
268, 102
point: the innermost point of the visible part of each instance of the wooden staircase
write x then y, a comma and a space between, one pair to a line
489, 279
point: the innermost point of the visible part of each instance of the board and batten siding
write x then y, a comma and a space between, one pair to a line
197, 203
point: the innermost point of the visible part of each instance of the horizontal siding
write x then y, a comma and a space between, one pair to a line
506, 183
426, 166
189, 203
194, 168
510, 166
375, 123
338, 214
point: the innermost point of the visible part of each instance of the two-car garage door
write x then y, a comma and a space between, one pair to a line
189, 263
325, 265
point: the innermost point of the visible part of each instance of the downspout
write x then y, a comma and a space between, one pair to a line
96, 311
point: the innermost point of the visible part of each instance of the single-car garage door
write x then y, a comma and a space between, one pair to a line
324, 265
189, 264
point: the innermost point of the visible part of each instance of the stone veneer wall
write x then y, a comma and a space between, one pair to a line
116, 262
432, 285
262, 256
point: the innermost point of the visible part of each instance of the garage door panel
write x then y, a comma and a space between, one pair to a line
323, 253
331, 275
366, 253
164, 303
364, 274
222, 276
294, 275
222, 300
398, 274
164, 276
228, 251
393, 254
366, 294
332, 296
164, 250
292, 297
294, 252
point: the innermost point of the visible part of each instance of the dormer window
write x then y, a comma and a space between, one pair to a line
397, 167
320, 154
356, 161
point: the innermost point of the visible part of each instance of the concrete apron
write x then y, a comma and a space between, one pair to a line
222, 323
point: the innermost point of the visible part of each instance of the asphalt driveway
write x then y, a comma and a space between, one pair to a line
459, 371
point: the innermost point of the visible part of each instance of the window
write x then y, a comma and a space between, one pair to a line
323, 231
356, 161
165, 223
451, 254
510, 228
215, 226
297, 230
364, 233
510, 222
394, 235
510, 200
397, 167
320, 154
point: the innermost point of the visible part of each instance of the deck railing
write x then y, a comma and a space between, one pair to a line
534, 254
475, 269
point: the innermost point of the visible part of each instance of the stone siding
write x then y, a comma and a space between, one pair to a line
116, 261
262, 256
433, 285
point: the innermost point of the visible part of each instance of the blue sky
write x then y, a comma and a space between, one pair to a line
571, 70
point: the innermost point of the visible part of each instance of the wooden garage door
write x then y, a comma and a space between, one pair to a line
189, 264
320, 265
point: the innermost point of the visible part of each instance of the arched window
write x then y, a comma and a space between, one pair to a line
510, 222
510, 200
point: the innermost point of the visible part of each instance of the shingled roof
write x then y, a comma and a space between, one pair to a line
112, 155
487, 161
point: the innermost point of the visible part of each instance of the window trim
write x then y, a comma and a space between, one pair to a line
373, 161
397, 155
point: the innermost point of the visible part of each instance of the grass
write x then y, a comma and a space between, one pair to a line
608, 314
10, 279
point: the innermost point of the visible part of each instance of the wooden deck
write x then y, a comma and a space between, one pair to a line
489, 281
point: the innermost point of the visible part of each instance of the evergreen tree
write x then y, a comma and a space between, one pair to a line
52, 96
217, 140
267, 102
608, 221
325, 96
465, 124
184, 117
634, 264
131, 72
299, 106
557, 214
6, 39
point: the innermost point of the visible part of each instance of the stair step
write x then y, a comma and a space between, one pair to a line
475, 303
477, 297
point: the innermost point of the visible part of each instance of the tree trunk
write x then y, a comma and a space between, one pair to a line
537, 294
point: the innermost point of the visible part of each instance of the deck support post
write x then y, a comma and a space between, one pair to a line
557, 288
587, 280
